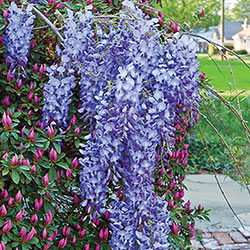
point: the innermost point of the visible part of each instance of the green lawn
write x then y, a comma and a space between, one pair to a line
224, 80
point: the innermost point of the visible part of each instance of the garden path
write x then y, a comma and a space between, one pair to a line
223, 232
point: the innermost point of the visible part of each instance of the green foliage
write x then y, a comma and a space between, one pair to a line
241, 10
185, 12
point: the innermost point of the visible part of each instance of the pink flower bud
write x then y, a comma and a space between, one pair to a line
44, 233
78, 227
36, 100
6, 102
34, 219
77, 130
107, 215
49, 217
19, 84
31, 86
67, 233
42, 126
4, 193
106, 234
30, 235
30, 113
53, 155
202, 13
170, 203
46, 180
32, 136
74, 240
2, 246
33, 169
176, 195
98, 246
10, 201
68, 173
101, 234
10, 113
176, 27
203, 76
174, 228
73, 120
3, 211
35, 68
19, 215
181, 192
62, 243
22, 233
7, 226
30, 96
41, 70
170, 23
18, 197
86, 247
50, 131
160, 14
33, 43
6, 155
76, 199
5, 14
14, 160
9, 76
82, 233
59, 5
75, 162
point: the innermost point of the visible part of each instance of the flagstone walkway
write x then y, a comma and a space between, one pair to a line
223, 239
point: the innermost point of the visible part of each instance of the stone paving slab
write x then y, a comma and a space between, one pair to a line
232, 239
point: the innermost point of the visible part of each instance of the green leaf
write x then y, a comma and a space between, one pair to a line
41, 140
62, 165
15, 176
25, 167
14, 135
77, 142
4, 137
34, 241
52, 173
57, 147
5, 172
46, 145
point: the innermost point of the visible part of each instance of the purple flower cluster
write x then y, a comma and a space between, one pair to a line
18, 34
132, 79
57, 93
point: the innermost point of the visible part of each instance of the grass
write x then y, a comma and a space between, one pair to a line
223, 81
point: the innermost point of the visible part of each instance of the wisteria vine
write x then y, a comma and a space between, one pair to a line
132, 80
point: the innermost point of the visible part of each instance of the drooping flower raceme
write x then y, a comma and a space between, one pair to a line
132, 79
57, 93
18, 35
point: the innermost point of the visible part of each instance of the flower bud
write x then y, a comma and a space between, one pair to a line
22, 233
10, 202
62, 243
19, 84
101, 234
32, 136
98, 246
59, 5
174, 228
53, 155
175, 27
75, 162
49, 217
7, 226
77, 130
86, 247
35, 68
4, 193
2, 246
33, 169
202, 77
3, 211
82, 233
106, 234
73, 120
30, 96
74, 240
34, 219
36, 100
202, 13
6, 102
30, 235
67, 233
68, 173
18, 197
19, 215
78, 227
46, 180
44, 233
14, 160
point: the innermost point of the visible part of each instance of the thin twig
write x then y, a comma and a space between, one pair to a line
217, 181
235, 112
218, 45
235, 85
48, 22
235, 161
220, 119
